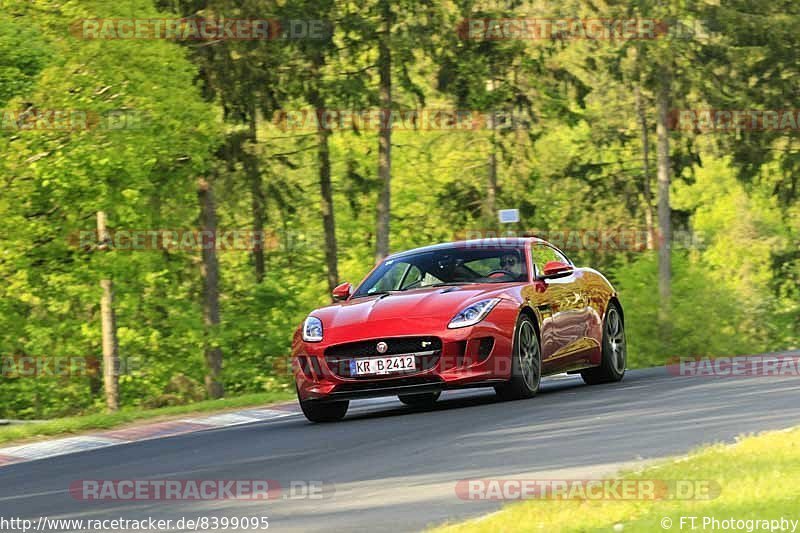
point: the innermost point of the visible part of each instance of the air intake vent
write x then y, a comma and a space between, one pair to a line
485, 347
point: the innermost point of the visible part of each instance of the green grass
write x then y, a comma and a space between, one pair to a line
759, 478
78, 424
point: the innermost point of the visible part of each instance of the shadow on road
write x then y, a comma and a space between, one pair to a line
467, 398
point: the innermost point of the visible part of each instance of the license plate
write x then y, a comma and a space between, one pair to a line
382, 365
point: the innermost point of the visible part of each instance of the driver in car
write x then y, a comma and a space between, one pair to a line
511, 263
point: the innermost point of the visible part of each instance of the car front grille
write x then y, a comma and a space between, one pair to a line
426, 351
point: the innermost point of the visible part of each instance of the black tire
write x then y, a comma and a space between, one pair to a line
526, 363
615, 352
425, 399
317, 411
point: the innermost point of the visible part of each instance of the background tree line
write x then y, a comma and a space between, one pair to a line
591, 147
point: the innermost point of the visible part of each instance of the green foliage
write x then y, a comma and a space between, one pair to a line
23, 54
724, 300
705, 317
141, 172
573, 161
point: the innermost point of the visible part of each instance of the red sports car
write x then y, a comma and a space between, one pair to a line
496, 313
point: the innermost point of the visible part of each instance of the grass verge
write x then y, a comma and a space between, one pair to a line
758, 478
79, 424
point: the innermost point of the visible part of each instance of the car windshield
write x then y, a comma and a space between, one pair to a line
446, 266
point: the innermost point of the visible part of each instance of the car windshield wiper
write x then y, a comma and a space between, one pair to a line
442, 284
386, 293
376, 293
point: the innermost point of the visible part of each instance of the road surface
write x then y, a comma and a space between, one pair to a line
388, 467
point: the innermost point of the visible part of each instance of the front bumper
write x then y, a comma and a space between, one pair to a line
452, 358
409, 386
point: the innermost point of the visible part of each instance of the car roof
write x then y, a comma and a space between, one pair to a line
499, 241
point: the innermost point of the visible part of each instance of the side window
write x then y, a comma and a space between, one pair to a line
400, 276
541, 254
412, 278
391, 279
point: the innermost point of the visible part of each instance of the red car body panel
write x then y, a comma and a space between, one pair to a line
568, 310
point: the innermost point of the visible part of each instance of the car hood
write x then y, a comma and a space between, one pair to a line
439, 304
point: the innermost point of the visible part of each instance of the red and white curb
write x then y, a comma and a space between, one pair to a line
115, 437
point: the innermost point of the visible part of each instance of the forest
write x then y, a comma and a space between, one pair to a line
656, 141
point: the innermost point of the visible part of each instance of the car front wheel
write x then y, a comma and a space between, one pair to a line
318, 411
526, 363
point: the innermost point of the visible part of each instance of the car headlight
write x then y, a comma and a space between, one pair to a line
473, 314
312, 329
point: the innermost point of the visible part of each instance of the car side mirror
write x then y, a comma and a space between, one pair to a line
556, 269
342, 292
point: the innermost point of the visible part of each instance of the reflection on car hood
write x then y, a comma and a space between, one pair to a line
443, 302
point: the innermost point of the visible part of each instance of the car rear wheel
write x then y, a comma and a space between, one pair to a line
426, 399
526, 364
615, 352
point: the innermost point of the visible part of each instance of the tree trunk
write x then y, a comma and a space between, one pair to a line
326, 193
325, 187
491, 185
210, 273
109, 327
258, 200
646, 189
664, 224
385, 136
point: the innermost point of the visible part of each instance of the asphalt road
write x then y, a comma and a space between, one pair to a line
387, 467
